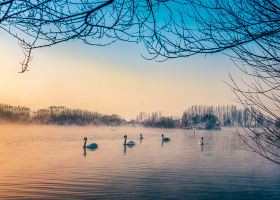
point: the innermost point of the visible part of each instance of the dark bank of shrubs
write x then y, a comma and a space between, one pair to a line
162, 122
211, 122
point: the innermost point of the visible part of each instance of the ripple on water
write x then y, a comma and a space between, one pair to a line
45, 162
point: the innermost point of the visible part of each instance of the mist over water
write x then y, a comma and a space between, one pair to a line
49, 162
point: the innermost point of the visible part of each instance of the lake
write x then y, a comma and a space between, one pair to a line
48, 162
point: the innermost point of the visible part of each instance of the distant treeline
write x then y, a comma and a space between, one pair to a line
206, 121
204, 117
200, 117
59, 115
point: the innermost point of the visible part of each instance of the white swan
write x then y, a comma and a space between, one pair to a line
129, 143
165, 139
201, 142
90, 146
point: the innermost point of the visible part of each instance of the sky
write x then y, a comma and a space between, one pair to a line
112, 79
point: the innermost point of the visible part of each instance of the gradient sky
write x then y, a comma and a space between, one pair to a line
113, 79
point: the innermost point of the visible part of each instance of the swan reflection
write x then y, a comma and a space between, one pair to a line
127, 146
85, 151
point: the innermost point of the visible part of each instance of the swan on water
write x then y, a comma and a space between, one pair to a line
165, 139
129, 143
90, 146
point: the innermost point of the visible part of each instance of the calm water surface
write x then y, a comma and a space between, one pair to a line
48, 162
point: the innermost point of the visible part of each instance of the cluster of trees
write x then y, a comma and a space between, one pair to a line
14, 113
202, 121
207, 120
59, 115
207, 117
228, 115
162, 122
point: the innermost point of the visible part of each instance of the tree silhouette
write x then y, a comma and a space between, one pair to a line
44, 23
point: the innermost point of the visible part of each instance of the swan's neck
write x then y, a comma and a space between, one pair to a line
85, 143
